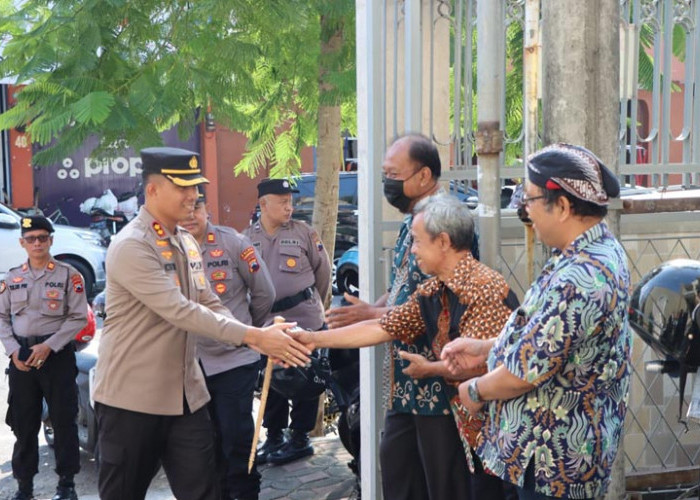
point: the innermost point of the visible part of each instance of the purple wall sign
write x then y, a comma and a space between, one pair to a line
79, 177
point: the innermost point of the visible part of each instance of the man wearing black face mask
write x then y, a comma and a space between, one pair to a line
420, 453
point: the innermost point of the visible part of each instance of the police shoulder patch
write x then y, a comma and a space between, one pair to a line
77, 282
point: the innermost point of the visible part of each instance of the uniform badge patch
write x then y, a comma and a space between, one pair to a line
50, 266
25, 266
3, 286
162, 243
167, 254
202, 280
248, 255
53, 305
52, 294
17, 279
211, 238
158, 229
218, 275
291, 262
317, 242
193, 253
216, 253
220, 288
77, 281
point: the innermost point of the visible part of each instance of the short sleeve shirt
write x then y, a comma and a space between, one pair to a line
570, 339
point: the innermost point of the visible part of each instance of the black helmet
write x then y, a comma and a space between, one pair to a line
664, 310
303, 383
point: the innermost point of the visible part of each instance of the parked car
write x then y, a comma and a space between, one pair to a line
81, 248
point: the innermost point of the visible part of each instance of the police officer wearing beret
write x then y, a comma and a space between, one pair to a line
301, 272
240, 278
150, 394
42, 308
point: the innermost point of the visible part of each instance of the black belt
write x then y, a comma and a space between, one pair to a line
28, 342
292, 300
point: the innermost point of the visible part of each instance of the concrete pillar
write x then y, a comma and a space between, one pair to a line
580, 97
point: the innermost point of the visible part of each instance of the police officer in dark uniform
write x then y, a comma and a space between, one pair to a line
240, 278
301, 272
42, 308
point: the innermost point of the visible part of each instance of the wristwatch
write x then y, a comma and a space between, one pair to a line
473, 391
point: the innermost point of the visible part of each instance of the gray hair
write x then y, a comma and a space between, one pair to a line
446, 214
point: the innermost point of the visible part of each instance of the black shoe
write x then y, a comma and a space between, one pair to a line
23, 495
275, 441
65, 493
297, 447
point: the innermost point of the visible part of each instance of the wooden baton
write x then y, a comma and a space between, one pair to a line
263, 402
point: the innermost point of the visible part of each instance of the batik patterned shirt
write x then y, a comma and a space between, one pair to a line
474, 302
570, 339
426, 396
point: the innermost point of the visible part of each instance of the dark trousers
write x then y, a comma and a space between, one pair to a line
55, 382
422, 458
231, 408
277, 414
133, 445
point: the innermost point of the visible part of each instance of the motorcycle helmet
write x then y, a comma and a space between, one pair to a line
664, 311
88, 332
305, 382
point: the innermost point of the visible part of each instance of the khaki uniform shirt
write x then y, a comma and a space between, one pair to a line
36, 303
157, 299
296, 260
239, 277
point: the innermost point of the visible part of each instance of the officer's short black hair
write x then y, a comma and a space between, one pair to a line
424, 152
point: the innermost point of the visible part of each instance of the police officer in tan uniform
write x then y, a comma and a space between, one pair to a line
149, 389
42, 308
239, 277
301, 272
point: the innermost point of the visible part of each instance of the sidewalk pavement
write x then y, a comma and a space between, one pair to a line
323, 476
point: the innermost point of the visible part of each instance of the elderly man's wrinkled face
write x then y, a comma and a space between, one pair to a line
277, 207
427, 250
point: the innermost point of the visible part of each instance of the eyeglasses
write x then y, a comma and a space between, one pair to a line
526, 200
43, 238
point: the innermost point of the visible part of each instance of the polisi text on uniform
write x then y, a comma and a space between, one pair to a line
54, 284
217, 263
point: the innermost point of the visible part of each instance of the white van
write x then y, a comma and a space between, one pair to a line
81, 248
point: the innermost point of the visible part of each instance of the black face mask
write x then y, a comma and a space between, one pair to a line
393, 192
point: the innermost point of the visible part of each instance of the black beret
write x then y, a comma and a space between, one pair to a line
34, 222
576, 170
275, 186
181, 166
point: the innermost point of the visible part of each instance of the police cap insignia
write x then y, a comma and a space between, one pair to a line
180, 166
36, 222
275, 186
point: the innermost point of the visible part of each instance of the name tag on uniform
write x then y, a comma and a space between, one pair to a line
17, 287
53, 284
169, 267
286, 242
196, 266
256, 244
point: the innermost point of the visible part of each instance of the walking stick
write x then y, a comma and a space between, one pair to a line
263, 402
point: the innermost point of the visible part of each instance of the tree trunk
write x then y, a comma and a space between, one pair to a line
329, 158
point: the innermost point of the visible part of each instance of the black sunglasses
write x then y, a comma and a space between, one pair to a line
43, 238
